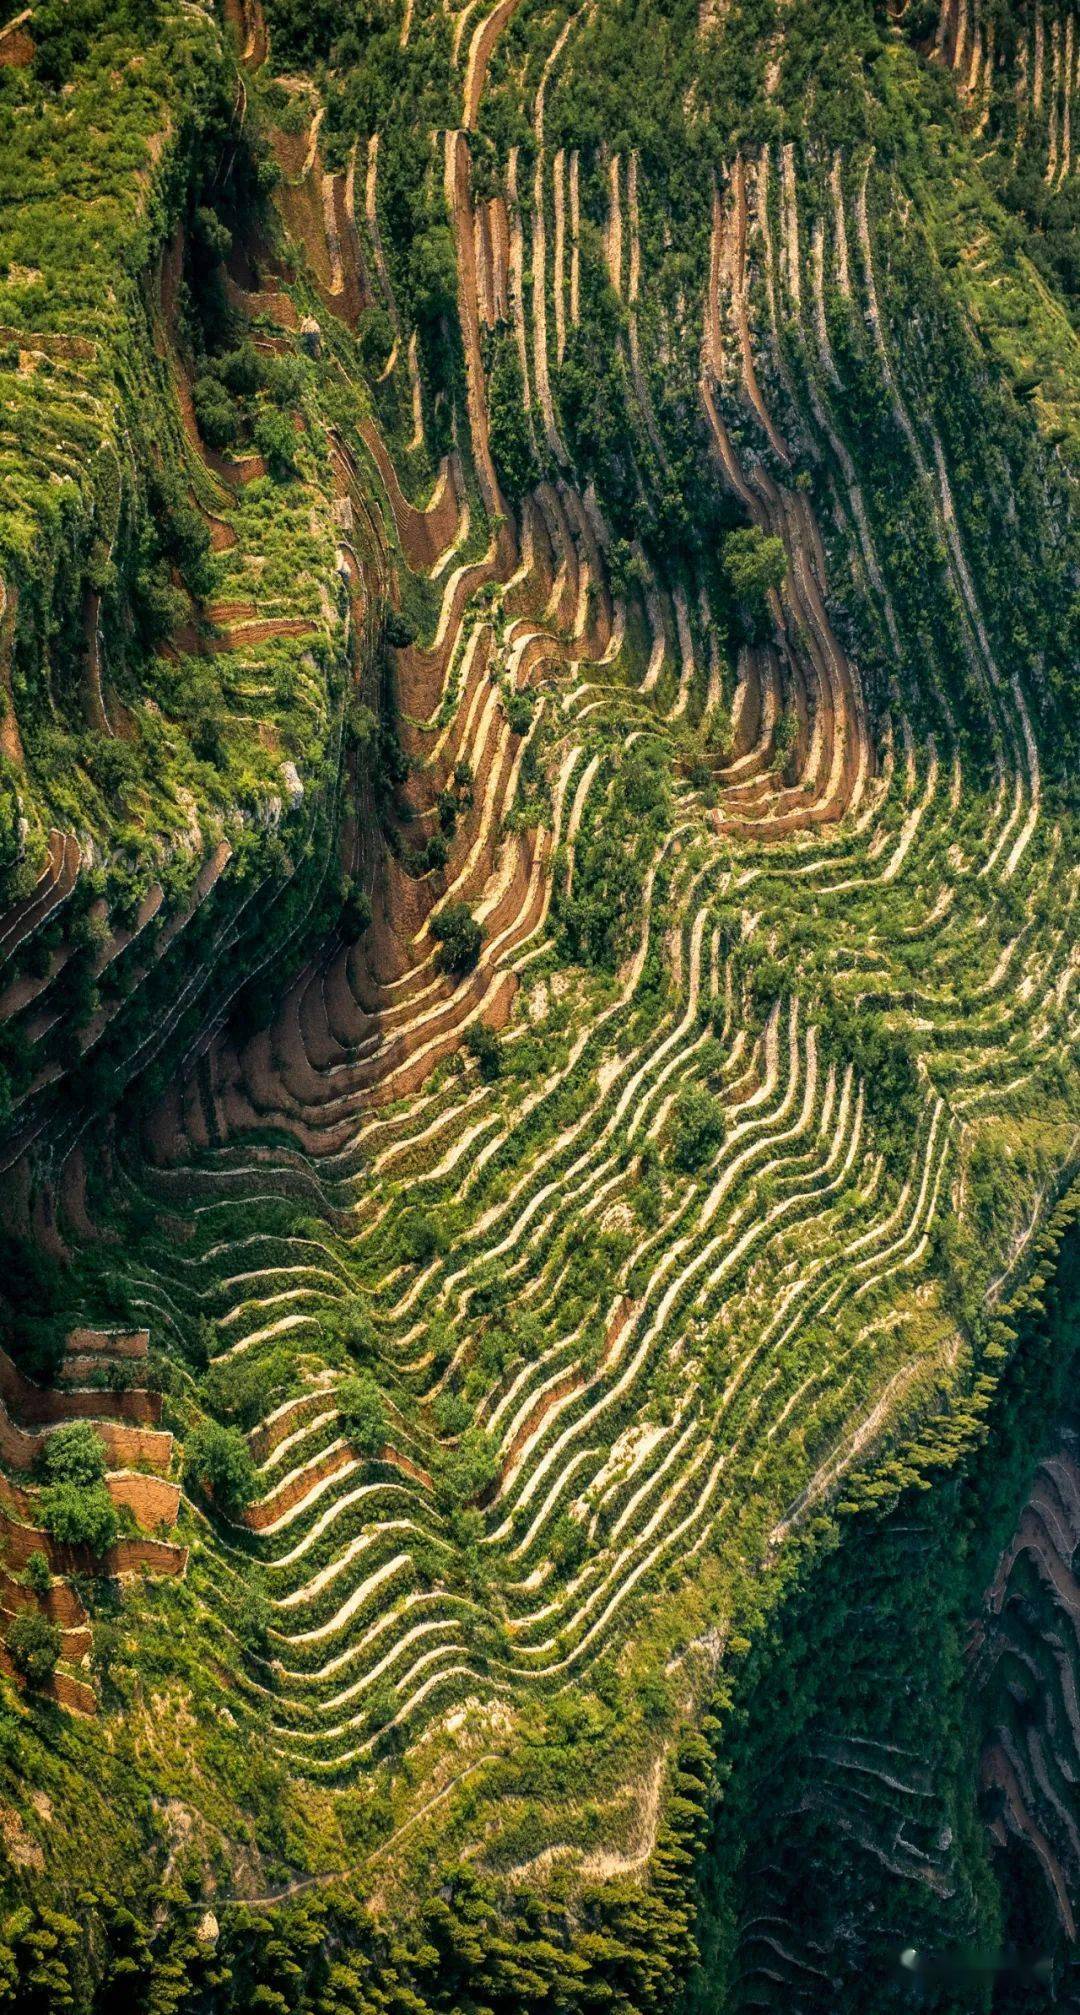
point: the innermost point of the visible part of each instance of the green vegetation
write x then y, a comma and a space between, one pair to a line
538, 750
363, 1414
34, 1646
218, 1465
755, 563
698, 1130
76, 1508
459, 936
78, 1514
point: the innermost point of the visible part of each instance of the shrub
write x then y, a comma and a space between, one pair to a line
215, 412
698, 1131
38, 1573
75, 1453
418, 1239
519, 712
34, 1645
460, 938
219, 1466
468, 1470
754, 562
482, 1043
275, 438
80, 1514
355, 912
363, 1414
253, 1617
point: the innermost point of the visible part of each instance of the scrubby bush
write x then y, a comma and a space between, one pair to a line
460, 938
38, 1573
34, 1645
254, 1615
483, 1043
215, 413
464, 1473
363, 1415
275, 439
698, 1129
218, 1465
74, 1453
80, 1514
754, 562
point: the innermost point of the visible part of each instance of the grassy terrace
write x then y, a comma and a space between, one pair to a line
173, 637
655, 1067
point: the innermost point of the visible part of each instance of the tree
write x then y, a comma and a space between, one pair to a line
375, 333
754, 562
698, 1131
79, 1514
34, 1645
363, 1414
460, 938
38, 1573
468, 1470
218, 1465
508, 430
418, 1237
434, 273
351, 1327
76, 1508
275, 439
74, 1453
483, 1043
215, 413
240, 370
519, 712
355, 912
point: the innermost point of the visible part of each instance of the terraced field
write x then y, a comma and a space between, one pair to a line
592, 898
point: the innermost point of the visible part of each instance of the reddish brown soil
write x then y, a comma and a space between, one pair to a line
154, 1502
16, 47
74, 1694
281, 1501
33, 1405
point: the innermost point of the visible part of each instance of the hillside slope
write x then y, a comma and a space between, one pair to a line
540, 597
